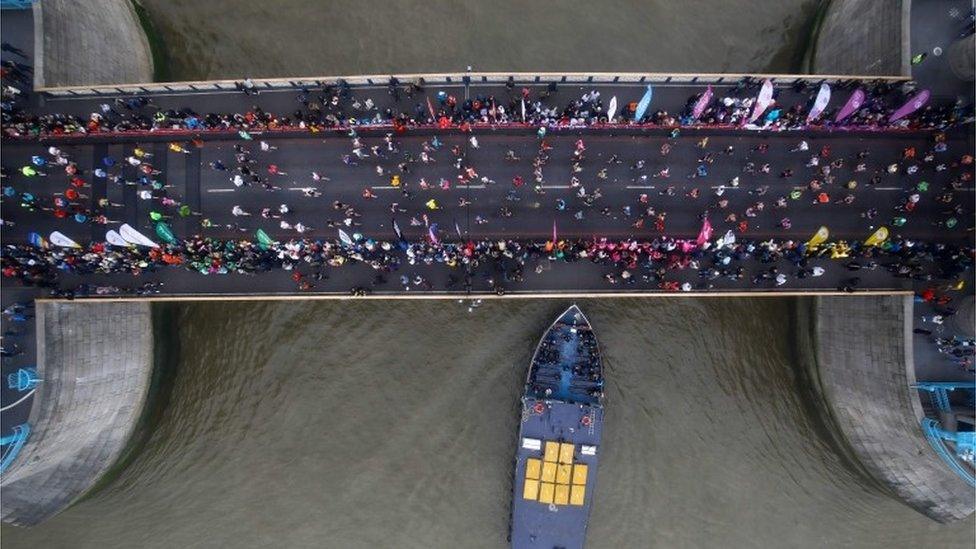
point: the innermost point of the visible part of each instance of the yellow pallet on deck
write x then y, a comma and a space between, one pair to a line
546, 493
531, 489
579, 473
549, 472
577, 495
552, 451
566, 453
562, 494
562, 473
533, 467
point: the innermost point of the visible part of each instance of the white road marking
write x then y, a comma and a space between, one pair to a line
221, 190
888, 189
557, 186
640, 186
471, 186
378, 187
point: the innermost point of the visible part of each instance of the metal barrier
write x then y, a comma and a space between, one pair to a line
936, 437
452, 80
12, 445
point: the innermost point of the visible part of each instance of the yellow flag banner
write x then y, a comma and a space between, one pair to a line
819, 237
878, 237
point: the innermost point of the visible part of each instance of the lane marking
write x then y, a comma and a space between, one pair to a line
556, 186
221, 190
888, 189
640, 186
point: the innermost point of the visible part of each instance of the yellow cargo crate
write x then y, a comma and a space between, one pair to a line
562, 494
531, 489
562, 473
549, 472
577, 495
552, 451
566, 453
533, 467
579, 473
546, 493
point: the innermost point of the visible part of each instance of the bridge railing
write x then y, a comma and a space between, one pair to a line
451, 80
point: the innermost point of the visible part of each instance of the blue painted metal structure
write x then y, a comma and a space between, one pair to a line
12, 444
16, 4
964, 448
939, 390
23, 379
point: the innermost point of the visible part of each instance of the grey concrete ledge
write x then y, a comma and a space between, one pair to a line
863, 346
864, 37
95, 362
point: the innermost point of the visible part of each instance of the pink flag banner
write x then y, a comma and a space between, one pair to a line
913, 105
554, 232
854, 103
430, 108
705, 234
702, 103
763, 101
820, 103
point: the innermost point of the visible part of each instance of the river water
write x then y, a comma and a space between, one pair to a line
392, 424
281, 38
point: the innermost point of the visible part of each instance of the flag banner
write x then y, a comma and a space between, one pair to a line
430, 108
849, 108
613, 109
818, 237
644, 103
396, 229
264, 241
36, 240
913, 104
523, 110
59, 239
115, 239
820, 103
165, 233
432, 233
763, 101
457, 229
702, 103
705, 234
344, 238
133, 236
877, 237
554, 233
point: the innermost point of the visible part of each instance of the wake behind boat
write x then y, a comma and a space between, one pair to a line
559, 437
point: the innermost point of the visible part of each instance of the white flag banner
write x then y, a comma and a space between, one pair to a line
133, 236
820, 103
763, 101
613, 109
59, 239
115, 239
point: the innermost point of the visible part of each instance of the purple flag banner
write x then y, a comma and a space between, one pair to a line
913, 105
702, 103
763, 101
854, 103
820, 103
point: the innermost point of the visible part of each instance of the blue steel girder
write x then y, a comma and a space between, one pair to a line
936, 437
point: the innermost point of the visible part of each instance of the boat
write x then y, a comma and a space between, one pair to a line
559, 437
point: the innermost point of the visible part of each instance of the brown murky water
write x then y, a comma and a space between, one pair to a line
392, 424
229, 38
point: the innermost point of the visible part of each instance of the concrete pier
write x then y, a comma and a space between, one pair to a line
95, 362
863, 347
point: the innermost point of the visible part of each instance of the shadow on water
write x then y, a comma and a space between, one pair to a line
166, 360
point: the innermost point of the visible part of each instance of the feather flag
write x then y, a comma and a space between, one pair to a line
59, 239
457, 229
115, 239
763, 101
432, 233
644, 103
877, 237
396, 229
430, 108
344, 238
165, 233
133, 236
613, 109
852, 105
818, 237
702, 103
523, 110
554, 240
820, 103
264, 241
913, 104
36, 240
705, 234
